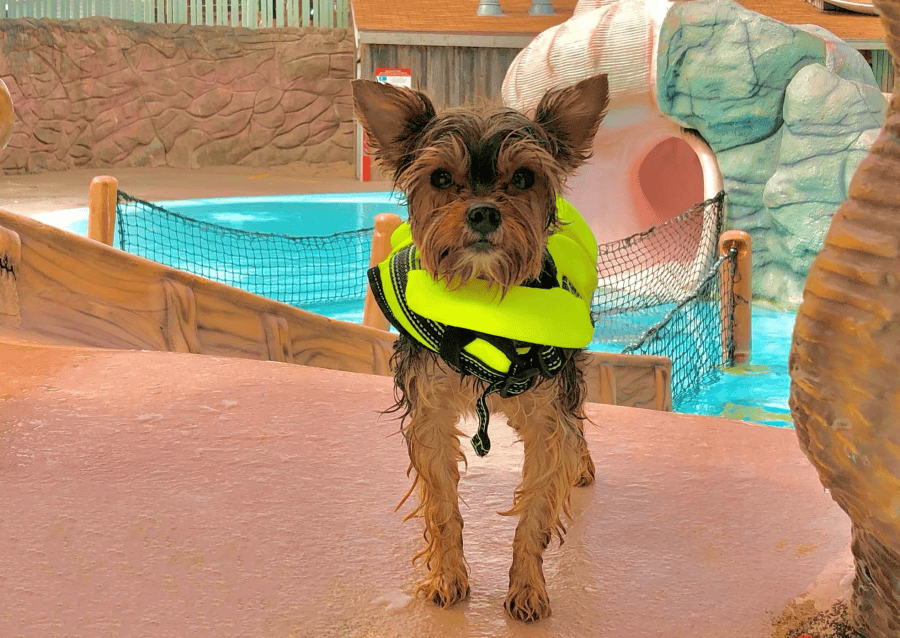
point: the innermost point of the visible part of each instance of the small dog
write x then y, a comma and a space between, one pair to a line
482, 195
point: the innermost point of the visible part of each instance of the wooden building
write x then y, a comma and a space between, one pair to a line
456, 56
461, 58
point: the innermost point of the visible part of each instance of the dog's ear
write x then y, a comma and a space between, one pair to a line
572, 116
393, 117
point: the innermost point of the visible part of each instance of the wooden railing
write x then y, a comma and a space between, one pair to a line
252, 14
63, 288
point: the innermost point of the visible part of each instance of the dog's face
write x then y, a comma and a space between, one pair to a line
481, 187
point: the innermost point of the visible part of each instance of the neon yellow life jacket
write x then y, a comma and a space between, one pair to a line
507, 343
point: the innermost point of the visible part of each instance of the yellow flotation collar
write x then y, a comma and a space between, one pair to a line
506, 342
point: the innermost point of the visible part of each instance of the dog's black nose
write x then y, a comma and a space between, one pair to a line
483, 218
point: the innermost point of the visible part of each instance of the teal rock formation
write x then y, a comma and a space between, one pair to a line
829, 125
788, 111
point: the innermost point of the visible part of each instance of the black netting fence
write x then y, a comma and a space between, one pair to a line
661, 292
307, 272
696, 333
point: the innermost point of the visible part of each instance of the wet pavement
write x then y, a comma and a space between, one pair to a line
164, 494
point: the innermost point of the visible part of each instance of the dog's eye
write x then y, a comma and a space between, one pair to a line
441, 179
523, 179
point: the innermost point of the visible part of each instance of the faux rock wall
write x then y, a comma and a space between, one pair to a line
100, 93
789, 112
829, 125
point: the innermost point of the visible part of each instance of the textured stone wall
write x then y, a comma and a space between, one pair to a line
100, 93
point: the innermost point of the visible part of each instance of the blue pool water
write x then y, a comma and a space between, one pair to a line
298, 215
756, 392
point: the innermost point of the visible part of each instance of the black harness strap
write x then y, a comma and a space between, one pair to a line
539, 361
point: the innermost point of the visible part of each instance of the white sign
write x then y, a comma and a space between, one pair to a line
400, 77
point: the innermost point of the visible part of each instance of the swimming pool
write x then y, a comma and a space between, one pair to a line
300, 215
756, 392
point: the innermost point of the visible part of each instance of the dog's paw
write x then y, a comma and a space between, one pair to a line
527, 603
443, 591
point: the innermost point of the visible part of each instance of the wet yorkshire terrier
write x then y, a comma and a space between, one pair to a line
489, 286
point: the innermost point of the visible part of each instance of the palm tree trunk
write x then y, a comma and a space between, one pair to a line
845, 367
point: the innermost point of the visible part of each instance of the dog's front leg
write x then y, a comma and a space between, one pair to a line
553, 457
434, 453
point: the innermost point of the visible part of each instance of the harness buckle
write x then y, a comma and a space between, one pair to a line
525, 377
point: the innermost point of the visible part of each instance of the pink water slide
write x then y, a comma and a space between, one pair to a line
646, 169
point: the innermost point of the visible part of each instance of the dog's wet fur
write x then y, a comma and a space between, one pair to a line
481, 188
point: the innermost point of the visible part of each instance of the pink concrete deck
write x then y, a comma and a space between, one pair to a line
160, 494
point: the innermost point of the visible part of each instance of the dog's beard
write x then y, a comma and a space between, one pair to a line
449, 248
450, 251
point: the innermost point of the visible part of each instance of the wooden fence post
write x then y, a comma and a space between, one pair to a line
102, 209
385, 225
10, 258
7, 115
742, 293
